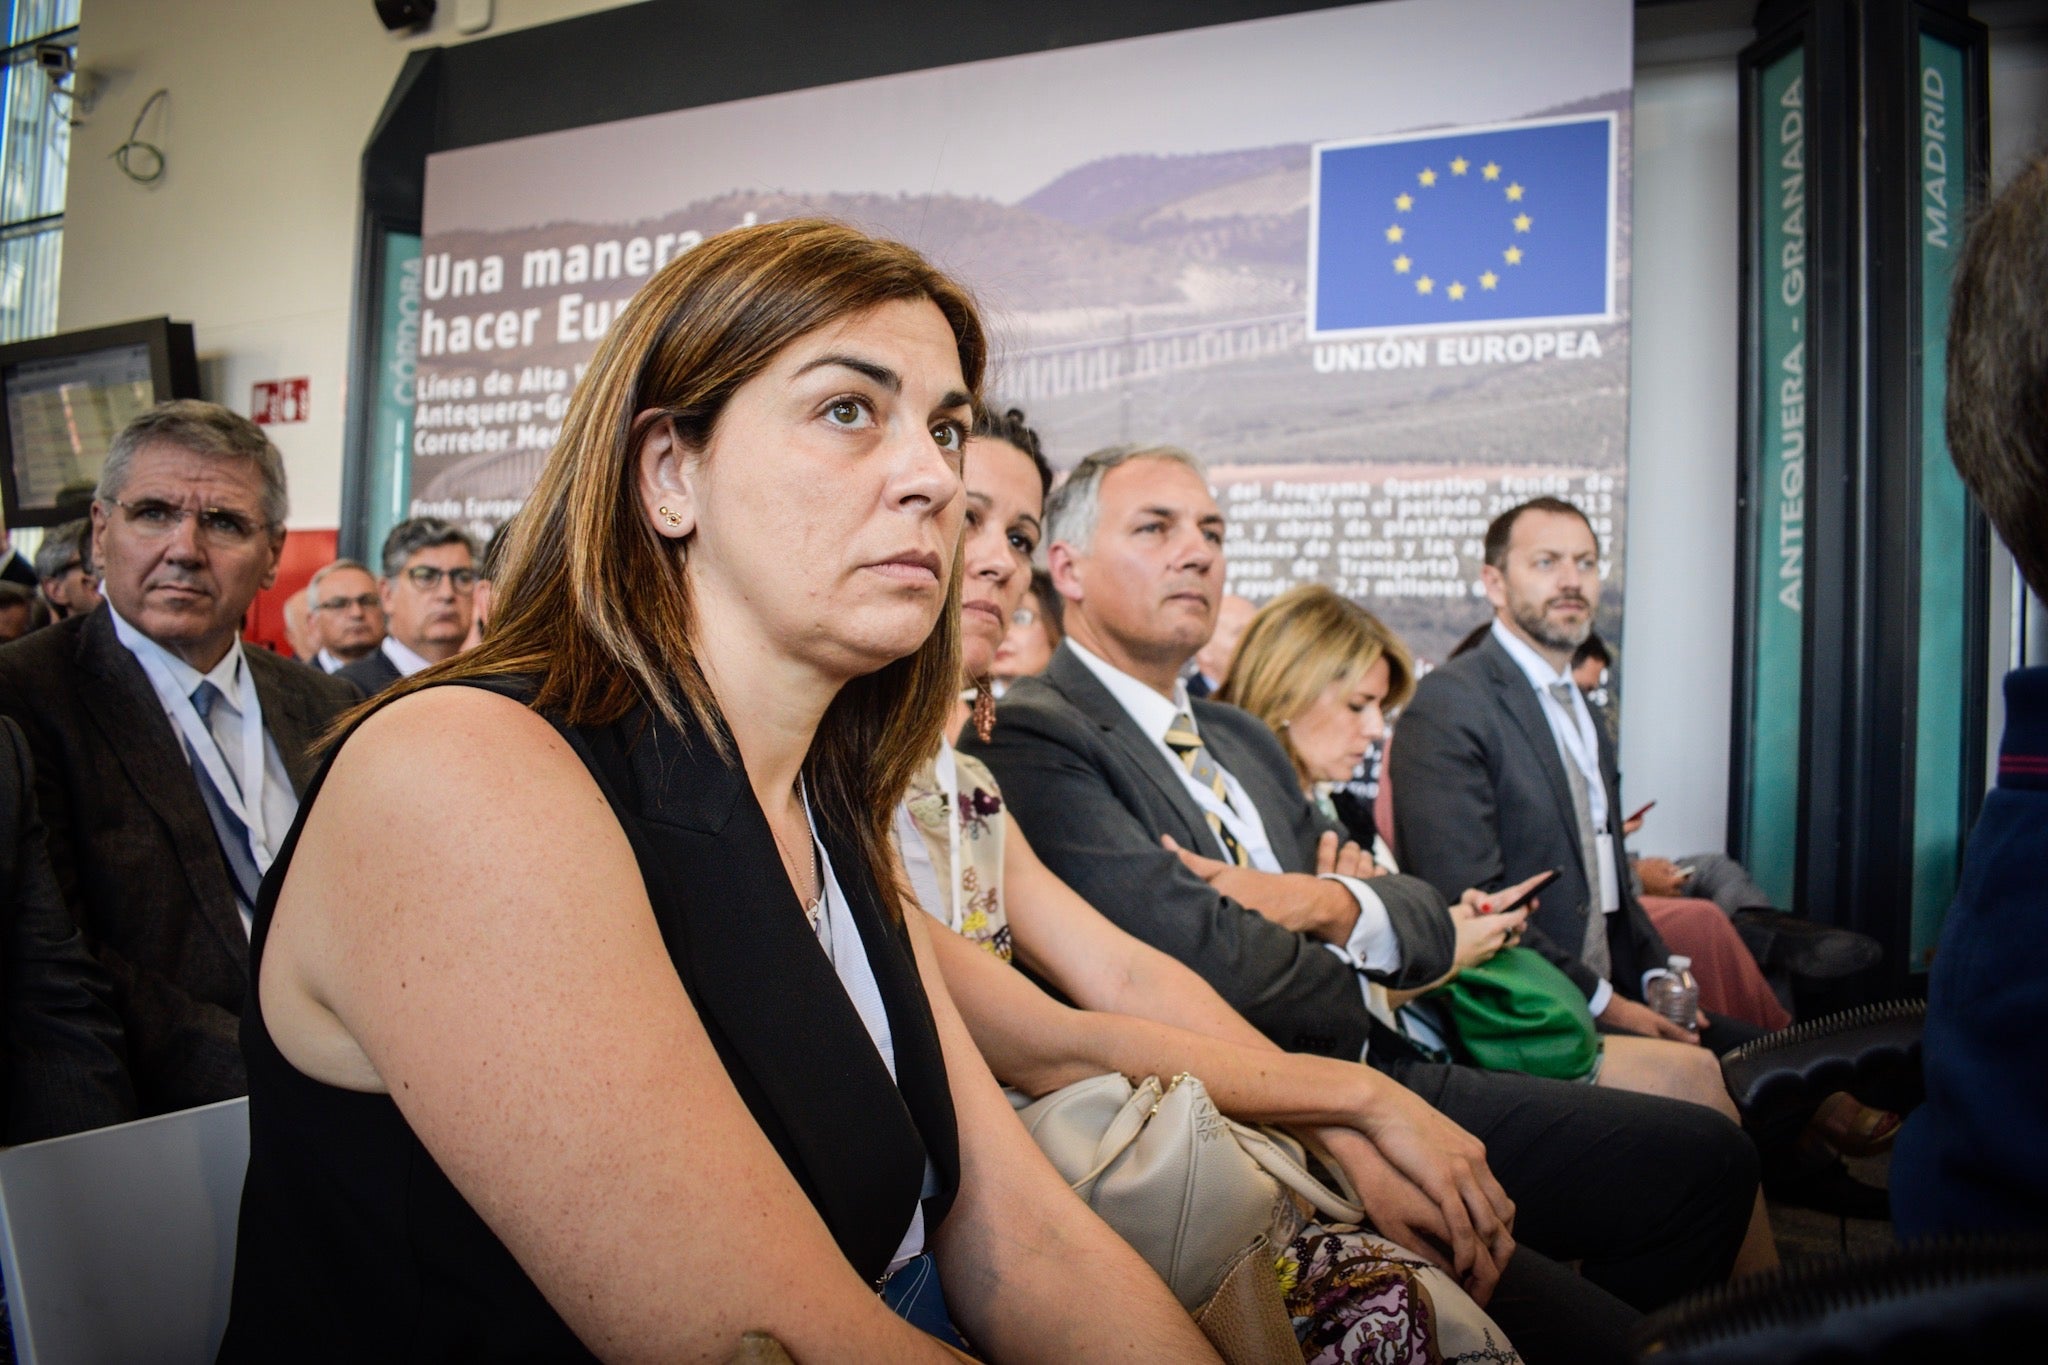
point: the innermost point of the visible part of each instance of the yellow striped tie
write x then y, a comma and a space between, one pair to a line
1182, 739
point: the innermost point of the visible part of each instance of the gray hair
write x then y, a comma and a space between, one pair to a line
320, 576
1075, 506
204, 429
61, 545
411, 536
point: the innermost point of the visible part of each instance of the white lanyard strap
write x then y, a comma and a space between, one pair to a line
244, 799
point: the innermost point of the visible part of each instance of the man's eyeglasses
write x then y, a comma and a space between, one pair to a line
155, 520
426, 578
368, 601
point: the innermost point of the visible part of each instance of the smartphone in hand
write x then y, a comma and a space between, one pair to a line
1529, 892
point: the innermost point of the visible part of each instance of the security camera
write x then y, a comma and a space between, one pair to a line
56, 60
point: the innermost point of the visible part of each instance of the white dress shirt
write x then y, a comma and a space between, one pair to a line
174, 681
1373, 944
839, 935
1577, 743
327, 661
403, 658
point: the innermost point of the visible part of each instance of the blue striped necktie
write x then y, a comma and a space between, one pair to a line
228, 829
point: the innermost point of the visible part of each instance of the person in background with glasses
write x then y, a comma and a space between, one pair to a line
348, 614
429, 592
169, 760
1034, 633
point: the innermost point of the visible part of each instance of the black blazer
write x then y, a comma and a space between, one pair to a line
1094, 794
134, 852
781, 1021
349, 1223
66, 1063
372, 673
1481, 799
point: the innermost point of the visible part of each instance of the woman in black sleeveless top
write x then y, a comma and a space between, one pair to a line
585, 1017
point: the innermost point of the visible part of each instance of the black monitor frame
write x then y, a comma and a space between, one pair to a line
173, 373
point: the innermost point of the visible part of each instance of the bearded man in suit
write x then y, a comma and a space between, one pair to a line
1503, 772
1103, 758
169, 760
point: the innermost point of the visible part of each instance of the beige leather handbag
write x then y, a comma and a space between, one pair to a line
1188, 1188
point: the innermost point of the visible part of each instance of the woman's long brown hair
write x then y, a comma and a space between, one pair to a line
593, 605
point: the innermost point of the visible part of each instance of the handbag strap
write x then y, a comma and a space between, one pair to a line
1276, 1155
1123, 1130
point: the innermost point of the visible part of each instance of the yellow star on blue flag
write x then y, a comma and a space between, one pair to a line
1525, 209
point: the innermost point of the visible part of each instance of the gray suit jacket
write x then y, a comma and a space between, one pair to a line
133, 849
1093, 795
1481, 799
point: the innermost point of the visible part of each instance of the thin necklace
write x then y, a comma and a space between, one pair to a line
814, 905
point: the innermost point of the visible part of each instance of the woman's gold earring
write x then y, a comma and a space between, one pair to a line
672, 518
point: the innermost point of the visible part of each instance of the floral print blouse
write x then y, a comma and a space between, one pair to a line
975, 888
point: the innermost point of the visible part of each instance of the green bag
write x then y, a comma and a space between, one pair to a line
1517, 1012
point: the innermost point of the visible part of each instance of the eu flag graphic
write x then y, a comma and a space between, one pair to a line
1511, 223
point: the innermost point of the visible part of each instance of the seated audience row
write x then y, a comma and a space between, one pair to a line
1141, 1012
500, 1085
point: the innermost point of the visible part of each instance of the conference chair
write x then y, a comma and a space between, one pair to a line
118, 1244
1872, 1051
1966, 1299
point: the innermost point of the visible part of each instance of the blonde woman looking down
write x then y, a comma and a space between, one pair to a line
1322, 672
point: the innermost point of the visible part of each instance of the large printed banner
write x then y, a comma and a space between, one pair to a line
1370, 263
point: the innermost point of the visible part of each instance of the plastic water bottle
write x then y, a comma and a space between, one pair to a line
1677, 996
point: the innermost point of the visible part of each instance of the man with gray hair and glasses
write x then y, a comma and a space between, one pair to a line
429, 594
169, 759
346, 615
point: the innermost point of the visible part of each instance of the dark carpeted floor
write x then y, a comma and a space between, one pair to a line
1804, 1234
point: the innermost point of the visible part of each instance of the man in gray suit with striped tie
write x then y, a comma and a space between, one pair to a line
1102, 758
169, 759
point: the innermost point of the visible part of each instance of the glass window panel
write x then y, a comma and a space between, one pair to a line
35, 144
30, 19
28, 283
35, 141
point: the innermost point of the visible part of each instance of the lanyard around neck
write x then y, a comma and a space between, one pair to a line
244, 799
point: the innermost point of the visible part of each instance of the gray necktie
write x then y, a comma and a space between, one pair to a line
229, 831
1593, 951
